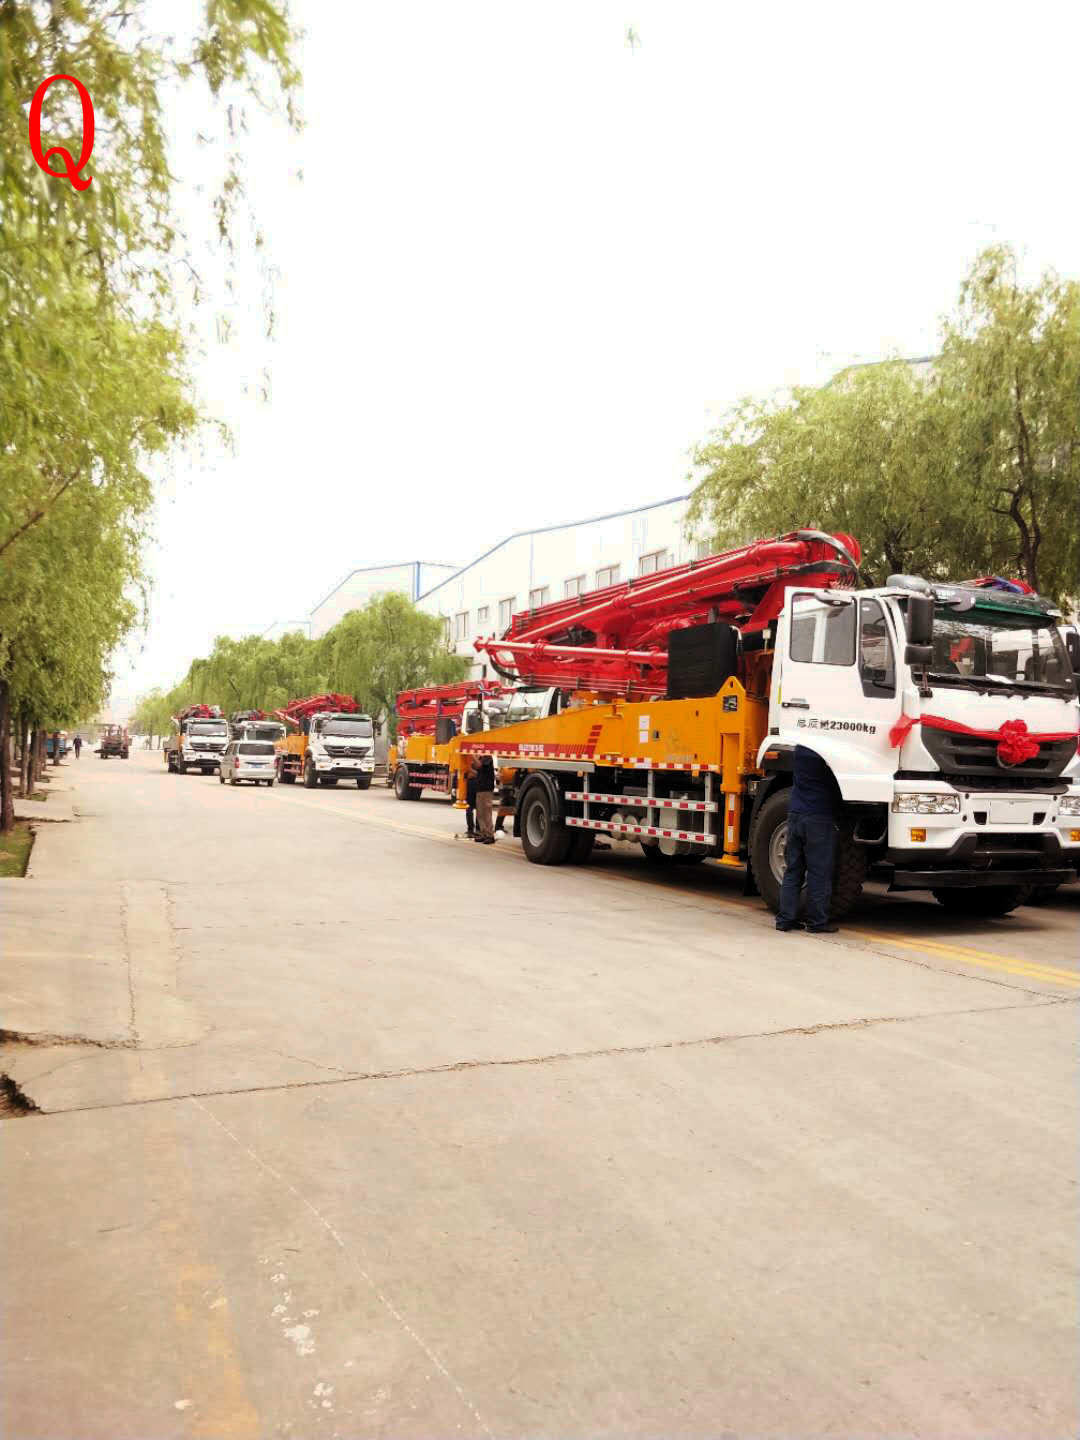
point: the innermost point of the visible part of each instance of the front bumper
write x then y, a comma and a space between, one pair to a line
994, 839
345, 767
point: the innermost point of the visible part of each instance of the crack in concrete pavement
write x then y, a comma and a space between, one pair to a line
44, 1040
455, 1066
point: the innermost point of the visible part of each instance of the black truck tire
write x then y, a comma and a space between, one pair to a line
402, 789
545, 840
363, 782
311, 778
985, 901
767, 865
581, 846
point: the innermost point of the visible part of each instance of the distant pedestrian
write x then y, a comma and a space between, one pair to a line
78, 745
811, 845
485, 801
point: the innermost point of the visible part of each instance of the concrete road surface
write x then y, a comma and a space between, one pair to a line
323, 1122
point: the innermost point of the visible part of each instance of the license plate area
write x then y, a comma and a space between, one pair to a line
1012, 812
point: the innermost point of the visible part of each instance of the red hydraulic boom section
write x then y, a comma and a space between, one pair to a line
419, 710
298, 710
199, 712
614, 641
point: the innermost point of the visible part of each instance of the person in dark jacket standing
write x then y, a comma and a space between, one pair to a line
485, 801
78, 745
810, 853
470, 800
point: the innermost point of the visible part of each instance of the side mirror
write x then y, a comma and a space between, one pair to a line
918, 656
920, 620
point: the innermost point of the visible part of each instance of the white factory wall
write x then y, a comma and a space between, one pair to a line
410, 578
514, 574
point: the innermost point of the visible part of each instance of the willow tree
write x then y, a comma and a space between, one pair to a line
94, 371
1010, 376
967, 465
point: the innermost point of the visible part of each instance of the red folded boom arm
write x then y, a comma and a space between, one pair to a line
614, 640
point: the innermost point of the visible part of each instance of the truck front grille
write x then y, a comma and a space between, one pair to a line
971, 761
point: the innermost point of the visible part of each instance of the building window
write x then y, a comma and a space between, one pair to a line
574, 587
656, 560
461, 625
538, 597
445, 629
506, 611
703, 549
609, 575
482, 613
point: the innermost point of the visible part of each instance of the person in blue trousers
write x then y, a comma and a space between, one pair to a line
810, 853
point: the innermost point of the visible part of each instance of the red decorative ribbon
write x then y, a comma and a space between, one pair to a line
1015, 743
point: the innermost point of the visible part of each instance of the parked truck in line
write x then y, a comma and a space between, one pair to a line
329, 739
948, 715
198, 739
428, 719
250, 725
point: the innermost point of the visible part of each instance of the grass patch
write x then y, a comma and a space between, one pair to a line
15, 850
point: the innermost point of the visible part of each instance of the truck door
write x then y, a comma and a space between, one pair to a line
837, 688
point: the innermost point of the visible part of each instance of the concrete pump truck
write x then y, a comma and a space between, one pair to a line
947, 713
198, 740
331, 741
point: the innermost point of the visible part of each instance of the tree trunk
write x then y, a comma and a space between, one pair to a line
37, 743
24, 757
7, 798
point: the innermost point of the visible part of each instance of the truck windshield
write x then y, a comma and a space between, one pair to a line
358, 728
206, 727
980, 645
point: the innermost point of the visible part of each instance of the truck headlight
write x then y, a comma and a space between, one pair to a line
926, 804
1069, 805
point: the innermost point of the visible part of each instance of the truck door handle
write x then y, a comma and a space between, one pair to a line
795, 704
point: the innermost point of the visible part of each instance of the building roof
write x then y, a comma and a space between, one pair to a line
364, 569
547, 529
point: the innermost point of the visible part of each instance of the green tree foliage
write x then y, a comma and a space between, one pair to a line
1010, 379
859, 455
969, 468
93, 365
371, 654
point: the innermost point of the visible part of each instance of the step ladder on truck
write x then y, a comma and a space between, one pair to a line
947, 713
329, 739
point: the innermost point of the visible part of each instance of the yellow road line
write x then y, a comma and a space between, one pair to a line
1028, 969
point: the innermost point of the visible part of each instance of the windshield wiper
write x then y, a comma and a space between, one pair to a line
988, 682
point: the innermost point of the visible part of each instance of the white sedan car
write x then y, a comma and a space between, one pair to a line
247, 760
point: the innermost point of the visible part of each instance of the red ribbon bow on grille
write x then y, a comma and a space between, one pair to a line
1015, 742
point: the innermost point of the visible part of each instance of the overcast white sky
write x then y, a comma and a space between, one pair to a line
527, 267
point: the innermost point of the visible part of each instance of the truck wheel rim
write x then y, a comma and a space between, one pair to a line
536, 824
777, 846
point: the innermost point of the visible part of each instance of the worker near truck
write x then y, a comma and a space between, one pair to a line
810, 851
470, 800
78, 745
485, 800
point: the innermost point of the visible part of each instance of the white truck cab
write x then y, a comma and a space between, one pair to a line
953, 748
342, 746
